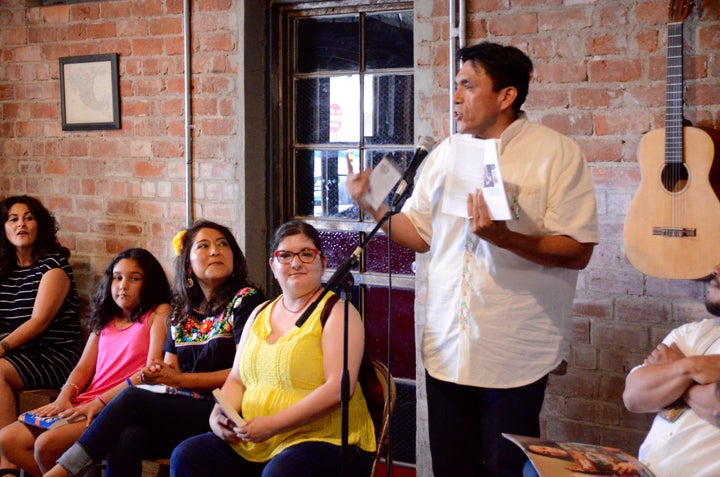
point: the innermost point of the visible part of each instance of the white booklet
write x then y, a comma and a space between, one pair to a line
227, 408
383, 178
473, 164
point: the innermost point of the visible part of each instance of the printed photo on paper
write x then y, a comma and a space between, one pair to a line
474, 164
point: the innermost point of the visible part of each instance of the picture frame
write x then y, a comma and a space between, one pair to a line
89, 94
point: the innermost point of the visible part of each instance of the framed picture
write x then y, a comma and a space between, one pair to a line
89, 97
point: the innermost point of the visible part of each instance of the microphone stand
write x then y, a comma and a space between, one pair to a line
343, 279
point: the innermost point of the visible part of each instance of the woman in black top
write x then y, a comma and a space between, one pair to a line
40, 336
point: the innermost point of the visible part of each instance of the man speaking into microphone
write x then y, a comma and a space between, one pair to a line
499, 291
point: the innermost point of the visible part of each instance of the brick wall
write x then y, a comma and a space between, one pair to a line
599, 78
114, 189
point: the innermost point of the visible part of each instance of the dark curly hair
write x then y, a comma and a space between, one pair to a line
46, 241
505, 65
193, 297
155, 290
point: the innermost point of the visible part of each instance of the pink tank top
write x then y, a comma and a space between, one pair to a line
120, 354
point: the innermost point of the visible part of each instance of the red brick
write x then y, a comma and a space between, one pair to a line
561, 72
625, 335
149, 46
513, 24
55, 14
568, 18
624, 70
84, 12
147, 9
652, 13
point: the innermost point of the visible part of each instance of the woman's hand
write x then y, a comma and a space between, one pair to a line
257, 429
54, 408
160, 373
89, 410
223, 427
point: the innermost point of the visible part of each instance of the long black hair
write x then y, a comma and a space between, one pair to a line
46, 241
155, 290
192, 296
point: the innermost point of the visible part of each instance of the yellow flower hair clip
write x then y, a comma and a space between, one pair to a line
177, 241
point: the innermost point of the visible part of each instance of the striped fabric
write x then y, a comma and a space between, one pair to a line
46, 360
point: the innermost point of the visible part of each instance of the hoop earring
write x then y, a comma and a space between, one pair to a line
190, 282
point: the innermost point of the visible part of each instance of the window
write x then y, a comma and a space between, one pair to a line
351, 90
345, 94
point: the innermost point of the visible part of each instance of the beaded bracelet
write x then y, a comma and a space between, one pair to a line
101, 400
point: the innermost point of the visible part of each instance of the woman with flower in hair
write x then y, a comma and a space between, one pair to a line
212, 300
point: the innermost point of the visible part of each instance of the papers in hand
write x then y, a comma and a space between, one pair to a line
473, 164
227, 408
46, 422
382, 179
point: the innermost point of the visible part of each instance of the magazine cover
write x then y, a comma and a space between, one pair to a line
573, 459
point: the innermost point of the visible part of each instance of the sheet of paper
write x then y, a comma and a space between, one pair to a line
382, 179
473, 164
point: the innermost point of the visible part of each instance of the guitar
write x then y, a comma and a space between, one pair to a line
672, 229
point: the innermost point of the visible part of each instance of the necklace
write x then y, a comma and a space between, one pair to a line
282, 301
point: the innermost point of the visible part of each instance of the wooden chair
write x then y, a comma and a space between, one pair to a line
382, 435
34, 398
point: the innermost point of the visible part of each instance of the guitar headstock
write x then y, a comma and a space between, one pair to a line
678, 10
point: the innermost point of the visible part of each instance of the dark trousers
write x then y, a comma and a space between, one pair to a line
466, 422
208, 455
139, 424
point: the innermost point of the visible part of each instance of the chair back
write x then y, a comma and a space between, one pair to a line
382, 435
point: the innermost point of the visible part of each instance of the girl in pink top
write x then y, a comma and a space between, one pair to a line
127, 325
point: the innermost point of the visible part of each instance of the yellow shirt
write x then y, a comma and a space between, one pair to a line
281, 374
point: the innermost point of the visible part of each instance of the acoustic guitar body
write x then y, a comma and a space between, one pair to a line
672, 229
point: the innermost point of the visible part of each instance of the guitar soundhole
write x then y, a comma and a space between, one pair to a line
674, 177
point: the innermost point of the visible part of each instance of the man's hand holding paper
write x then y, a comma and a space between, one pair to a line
475, 166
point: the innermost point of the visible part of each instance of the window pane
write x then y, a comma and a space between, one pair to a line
328, 110
328, 44
376, 256
320, 189
401, 159
390, 109
389, 40
312, 111
338, 246
403, 328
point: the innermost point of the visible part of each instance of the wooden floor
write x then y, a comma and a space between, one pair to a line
150, 469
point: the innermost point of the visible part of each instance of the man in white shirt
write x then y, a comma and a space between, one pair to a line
679, 382
498, 291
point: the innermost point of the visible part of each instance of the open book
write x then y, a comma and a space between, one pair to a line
46, 422
572, 459
182, 392
227, 408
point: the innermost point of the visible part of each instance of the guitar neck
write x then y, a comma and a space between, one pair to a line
674, 95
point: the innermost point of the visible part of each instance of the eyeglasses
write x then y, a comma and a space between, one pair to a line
306, 255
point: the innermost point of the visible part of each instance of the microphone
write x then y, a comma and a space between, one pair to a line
425, 145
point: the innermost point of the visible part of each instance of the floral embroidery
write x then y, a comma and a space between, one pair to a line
193, 328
